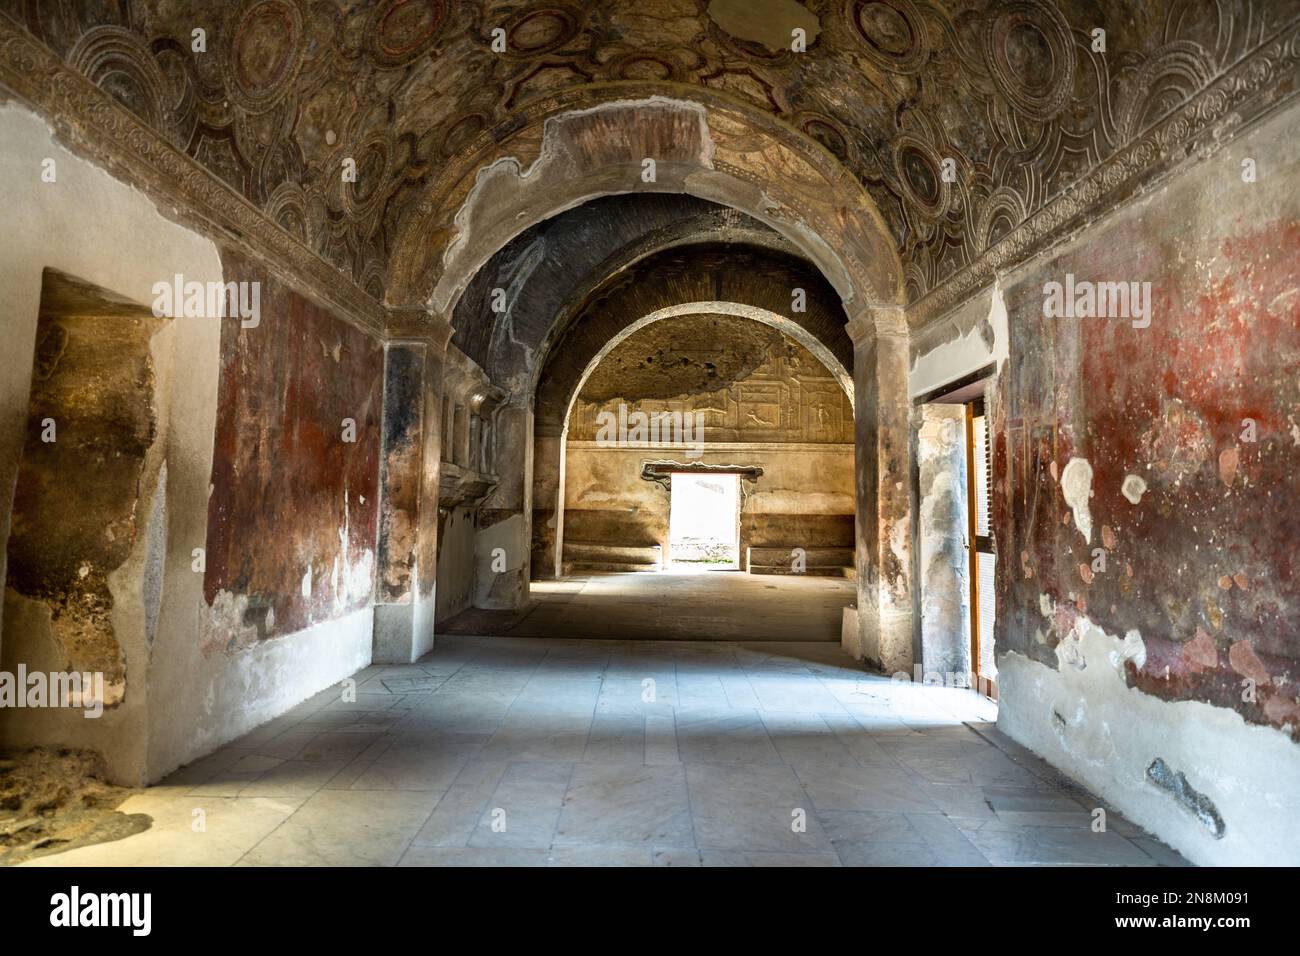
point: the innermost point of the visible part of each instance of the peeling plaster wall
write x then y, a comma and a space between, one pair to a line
883, 449
969, 338
1083, 716
294, 513
287, 493
410, 471
181, 703
1184, 647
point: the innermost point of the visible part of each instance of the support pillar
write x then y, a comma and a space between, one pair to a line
883, 451
548, 501
409, 471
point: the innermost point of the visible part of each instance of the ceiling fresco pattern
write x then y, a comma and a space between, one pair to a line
961, 119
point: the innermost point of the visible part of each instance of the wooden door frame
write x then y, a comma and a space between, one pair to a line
975, 409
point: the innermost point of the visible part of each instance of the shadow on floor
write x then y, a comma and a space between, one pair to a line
517, 752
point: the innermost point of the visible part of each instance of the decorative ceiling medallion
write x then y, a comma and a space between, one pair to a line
401, 30
266, 52
975, 75
287, 207
645, 65
541, 30
893, 33
751, 50
918, 170
1030, 53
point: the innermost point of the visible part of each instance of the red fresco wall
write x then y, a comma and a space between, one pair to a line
1205, 565
288, 492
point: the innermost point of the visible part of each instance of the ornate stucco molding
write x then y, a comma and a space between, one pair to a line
1253, 88
96, 126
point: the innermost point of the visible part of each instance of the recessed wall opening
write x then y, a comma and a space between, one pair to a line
84, 556
704, 522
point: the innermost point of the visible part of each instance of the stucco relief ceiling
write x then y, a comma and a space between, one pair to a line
960, 118
687, 355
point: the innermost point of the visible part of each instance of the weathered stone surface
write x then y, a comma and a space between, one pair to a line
883, 440
749, 381
1171, 404
91, 424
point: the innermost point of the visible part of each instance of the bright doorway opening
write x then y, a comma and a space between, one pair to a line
704, 521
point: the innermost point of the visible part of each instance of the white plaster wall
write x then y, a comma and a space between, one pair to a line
1084, 719
943, 565
201, 702
98, 229
955, 346
86, 224
455, 579
95, 228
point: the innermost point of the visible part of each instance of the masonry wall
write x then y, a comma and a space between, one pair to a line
196, 676
804, 498
1166, 679
751, 396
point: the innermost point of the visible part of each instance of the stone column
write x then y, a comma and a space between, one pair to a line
503, 544
883, 443
548, 500
408, 477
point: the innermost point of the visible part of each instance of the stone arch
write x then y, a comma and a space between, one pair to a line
562, 151
755, 312
550, 269
567, 149
681, 280
557, 395
675, 280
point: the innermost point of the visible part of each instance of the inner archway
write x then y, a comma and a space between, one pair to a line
711, 390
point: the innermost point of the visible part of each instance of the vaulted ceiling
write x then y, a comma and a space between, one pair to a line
960, 118
549, 274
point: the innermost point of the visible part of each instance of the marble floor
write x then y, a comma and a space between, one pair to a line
529, 752
674, 605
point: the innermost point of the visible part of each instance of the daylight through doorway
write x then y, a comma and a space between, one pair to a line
704, 522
